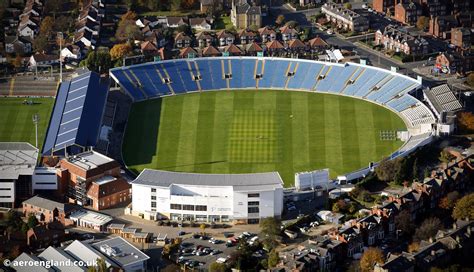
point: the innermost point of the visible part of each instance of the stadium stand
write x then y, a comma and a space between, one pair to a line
383, 87
77, 114
442, 99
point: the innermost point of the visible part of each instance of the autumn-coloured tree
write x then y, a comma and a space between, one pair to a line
370, 257
466, 121
280, 19
413, 247
188, 4
129, 15
470, 79
464, 208
47, 25
422, 22
120, 50
449, 201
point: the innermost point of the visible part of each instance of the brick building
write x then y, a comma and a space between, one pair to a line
382, 5
45, 235
398, 39
47, 210
407, 13
108, 192
94, 180
461, 37
440, 26
345, 18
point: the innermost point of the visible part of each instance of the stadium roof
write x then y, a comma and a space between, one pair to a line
241, 181
443, 99
77, 113
17, 159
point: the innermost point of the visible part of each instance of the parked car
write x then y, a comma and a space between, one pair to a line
181, 233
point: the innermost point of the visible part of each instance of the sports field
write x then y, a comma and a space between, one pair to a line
16, 119
258, 131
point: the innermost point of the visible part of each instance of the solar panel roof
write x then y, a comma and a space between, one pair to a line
77, 113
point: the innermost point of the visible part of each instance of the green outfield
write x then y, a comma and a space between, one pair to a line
258, 131
16, 119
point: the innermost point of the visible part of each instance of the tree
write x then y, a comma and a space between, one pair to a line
280, 20
202, 227
292, 24
47, 25
422, 22
413, 247
175, 5
404, 222
98, 61
416, 169
100, 266
217, 267
387, 169
32, 221
449, 201
270, 230
128, 16
470, 80
428, 229
273, 258
464, 208
348, 5
466, 120
446, 156
40, 43
18, 61
370, 257
118, 51
63, 23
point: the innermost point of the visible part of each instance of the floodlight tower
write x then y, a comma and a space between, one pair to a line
60, 37
36, 121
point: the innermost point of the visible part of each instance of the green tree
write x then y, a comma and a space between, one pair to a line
273, 258
217, 267
40, 43
98, 61
175, 5
446, 156
32, 221
348, 5
387, 169
416, 169
270, 230
464, 208
428, 229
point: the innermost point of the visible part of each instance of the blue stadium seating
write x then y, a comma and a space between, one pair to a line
147, 80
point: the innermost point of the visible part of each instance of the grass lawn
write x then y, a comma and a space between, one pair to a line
16, 123
257, 131
223, 22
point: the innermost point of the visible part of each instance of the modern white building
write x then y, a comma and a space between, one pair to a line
237, 198
17, 164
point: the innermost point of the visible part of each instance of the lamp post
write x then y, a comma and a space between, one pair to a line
36, 121
60, 36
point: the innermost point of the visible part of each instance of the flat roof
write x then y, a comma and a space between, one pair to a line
105, 179
124, 253
166, 178
89, 160
91, 217
17, 159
